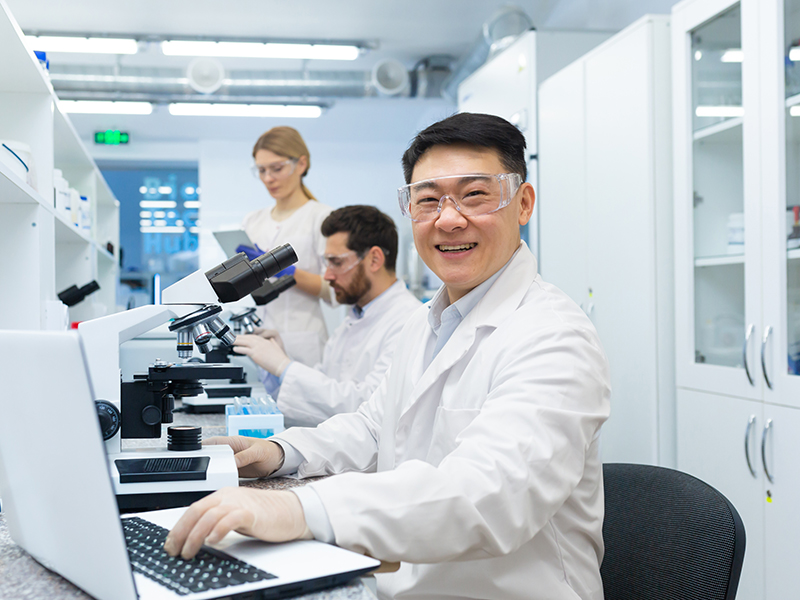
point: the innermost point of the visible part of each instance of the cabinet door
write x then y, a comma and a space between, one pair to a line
782, 497
716, 435
562, 183
717, 208
780, 149
621, 234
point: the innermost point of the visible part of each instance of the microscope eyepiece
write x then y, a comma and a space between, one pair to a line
237, 277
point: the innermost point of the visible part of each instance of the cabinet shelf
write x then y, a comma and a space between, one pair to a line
15, 191
715, 261
724, 131
792, 100
60, 253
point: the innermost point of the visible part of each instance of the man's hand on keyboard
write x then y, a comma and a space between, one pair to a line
269, 515
254, 457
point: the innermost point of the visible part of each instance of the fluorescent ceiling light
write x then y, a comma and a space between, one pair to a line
91, 45
719, 111
157, 204
794, 53
257, 50
165, 229
197, 109
103, 107
795, 110
734, 55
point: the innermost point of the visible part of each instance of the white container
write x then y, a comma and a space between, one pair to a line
736, 233
259, 426
61, 195
74, 206
19, 158
85, 219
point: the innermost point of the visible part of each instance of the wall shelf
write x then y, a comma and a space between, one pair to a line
715, 261
57, 253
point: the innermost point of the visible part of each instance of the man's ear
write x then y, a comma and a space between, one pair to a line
377, 259
526, 202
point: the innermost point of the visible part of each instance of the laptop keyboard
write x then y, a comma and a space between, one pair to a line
209, 570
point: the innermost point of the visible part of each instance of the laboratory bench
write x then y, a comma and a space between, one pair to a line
22, 578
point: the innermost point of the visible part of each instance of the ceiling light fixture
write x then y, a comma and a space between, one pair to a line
201, 109
734, 55
258, 50
91, 45
719, 111
105, 107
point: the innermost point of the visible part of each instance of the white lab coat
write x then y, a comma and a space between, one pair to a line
295, 314
488, 482
354, 361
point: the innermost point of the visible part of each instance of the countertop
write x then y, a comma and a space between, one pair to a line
22, 578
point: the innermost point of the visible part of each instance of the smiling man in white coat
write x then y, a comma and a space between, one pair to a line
475, 464
360, 259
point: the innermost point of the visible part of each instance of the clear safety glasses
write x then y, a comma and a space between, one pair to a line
341, 263
473, 194
276, 170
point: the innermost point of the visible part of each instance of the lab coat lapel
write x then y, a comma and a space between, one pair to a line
499, 301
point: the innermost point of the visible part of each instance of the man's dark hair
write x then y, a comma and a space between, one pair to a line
471, 129
366, 227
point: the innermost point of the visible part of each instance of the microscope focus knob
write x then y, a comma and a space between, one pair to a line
109, 418
151, 415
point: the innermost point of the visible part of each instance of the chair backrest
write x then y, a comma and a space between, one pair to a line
668, 536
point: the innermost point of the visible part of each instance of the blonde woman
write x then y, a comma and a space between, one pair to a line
281, 161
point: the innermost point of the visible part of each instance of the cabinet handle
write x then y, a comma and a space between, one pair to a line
767, 333
744, 353
764, 435
750, 422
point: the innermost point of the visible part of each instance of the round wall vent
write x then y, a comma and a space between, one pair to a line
205, 75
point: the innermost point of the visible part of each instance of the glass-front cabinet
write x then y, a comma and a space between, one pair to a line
736, 126
717, 198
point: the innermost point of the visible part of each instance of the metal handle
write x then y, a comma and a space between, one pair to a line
750, 422
744, 353
767, 333
767, 428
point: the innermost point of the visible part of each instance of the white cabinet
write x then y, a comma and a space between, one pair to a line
605, 203
507, 85
42, 251
737, 268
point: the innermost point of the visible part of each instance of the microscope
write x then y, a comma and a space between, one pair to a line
146, 478
221, 393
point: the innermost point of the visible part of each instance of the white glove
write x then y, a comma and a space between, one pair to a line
270, 334
266, 353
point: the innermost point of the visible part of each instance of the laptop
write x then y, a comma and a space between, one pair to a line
231, 239
59, 504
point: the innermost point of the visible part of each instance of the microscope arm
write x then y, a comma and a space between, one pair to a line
102, 337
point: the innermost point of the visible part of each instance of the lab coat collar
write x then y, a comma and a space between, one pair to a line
380, 303
499, 301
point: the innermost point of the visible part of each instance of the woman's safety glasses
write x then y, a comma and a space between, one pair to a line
276, 170
341, 263
472, 195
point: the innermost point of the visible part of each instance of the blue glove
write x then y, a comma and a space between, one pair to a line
249, 251
287, 271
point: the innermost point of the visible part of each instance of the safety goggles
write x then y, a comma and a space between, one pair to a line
341, 263
473, 194
276, 170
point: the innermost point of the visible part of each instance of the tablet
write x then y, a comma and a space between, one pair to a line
232, 239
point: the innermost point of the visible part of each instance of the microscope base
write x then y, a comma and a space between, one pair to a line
150, 478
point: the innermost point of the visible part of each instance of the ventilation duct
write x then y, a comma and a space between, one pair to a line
499, 32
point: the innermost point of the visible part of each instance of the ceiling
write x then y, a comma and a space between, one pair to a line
407, 31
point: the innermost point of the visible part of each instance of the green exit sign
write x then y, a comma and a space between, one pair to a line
112, 137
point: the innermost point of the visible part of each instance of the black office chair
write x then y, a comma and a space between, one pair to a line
668, 536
